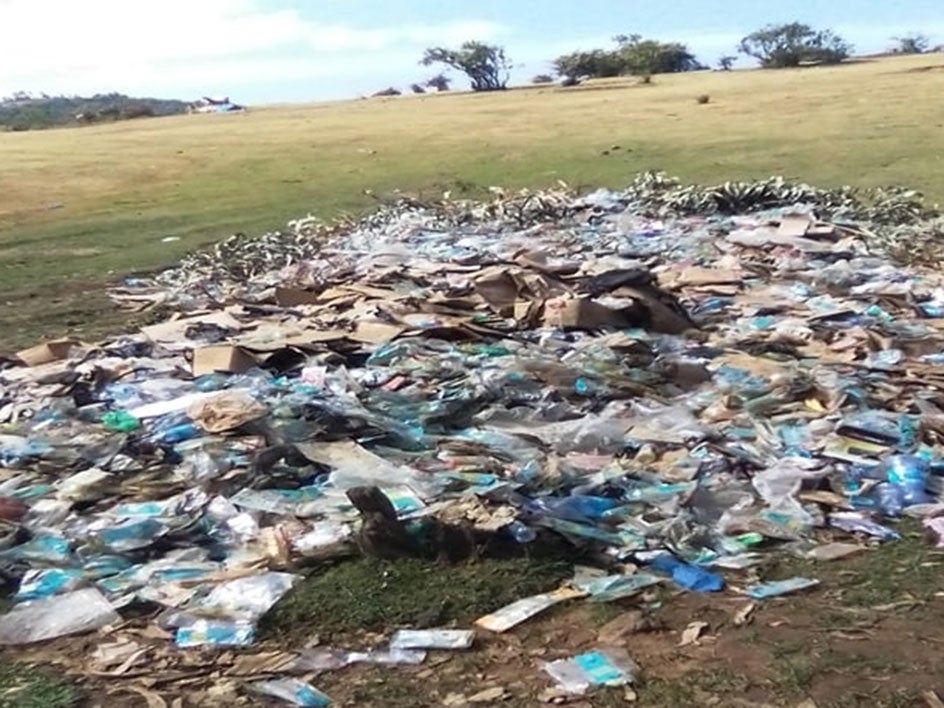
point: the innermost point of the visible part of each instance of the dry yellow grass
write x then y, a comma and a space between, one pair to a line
82, 203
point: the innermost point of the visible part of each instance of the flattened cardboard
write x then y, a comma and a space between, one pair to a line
55, 350
793, 225
376, 332
231, 360
569, 313
176, 330
697, 276
293, 297
498, 288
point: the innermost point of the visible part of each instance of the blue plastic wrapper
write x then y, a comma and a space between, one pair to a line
909, 474
609, 667
132, 535
293, 691
688, 576
44, 549
762, 591
217, 634
854, 523
38, 584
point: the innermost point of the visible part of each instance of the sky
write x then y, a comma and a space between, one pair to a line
273, 51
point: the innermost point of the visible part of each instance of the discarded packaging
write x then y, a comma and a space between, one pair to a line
432, 639
293, 691
763, 591
58, 616
517, 612
606, 667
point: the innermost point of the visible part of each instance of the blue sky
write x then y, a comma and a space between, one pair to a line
268, 51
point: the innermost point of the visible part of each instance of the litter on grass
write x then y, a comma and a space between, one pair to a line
673, 382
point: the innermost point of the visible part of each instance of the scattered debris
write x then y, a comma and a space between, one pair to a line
514, 614
432, 639
780, 587
678, 382
293, 691
607, 667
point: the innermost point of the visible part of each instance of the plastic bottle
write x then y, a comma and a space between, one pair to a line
577, 507
521, 532
174, 429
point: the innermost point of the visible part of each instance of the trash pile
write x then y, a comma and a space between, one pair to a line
678, 393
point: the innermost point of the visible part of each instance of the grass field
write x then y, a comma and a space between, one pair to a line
79, 205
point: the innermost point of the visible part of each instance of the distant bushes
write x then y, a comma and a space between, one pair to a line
24, 112
633, 55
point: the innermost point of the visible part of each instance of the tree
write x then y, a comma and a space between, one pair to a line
911, 44
598, 64
649, 56
440, 82
416, 88
486, 65
726, 63
633, 55
543, 79
780, 46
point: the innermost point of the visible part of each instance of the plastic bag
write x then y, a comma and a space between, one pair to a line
296, 692
75, 612
432, 639
247, 599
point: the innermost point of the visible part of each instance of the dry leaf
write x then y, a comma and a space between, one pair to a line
489, 695
153, 699
744, 615
692, 633
932, 699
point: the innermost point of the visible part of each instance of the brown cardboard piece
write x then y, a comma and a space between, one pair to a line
293, 297
231, 360
698, 276
176, 330
51, 351
570, 313
793, 225
376, 332
756, 365
498, 288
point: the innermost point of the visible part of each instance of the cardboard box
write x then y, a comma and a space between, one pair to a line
231, 360
55, 350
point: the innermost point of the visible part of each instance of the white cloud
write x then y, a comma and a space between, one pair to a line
179, 45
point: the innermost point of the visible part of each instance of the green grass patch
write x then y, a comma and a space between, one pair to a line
25, 686
908, 570
370, 595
